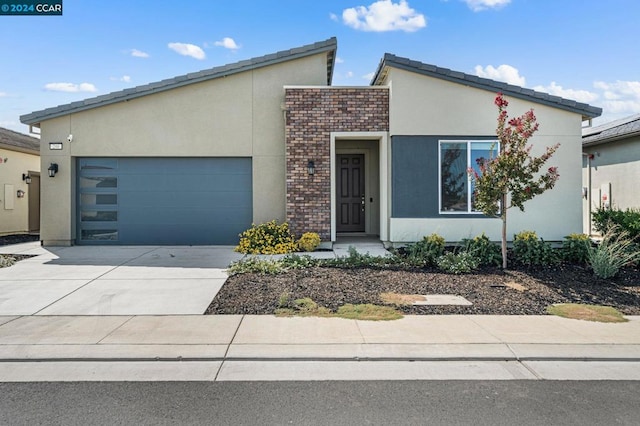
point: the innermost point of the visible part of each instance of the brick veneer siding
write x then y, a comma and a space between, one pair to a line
312, 114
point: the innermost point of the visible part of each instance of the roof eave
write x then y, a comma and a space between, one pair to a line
605, 140
19, 149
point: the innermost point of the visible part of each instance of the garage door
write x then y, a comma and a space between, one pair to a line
163, 201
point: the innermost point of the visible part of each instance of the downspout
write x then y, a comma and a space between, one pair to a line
589, 157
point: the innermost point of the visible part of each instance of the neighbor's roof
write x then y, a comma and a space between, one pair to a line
389, 60
329, 46
612, 131
20, 142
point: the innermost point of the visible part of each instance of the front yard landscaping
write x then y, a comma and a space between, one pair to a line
492, 291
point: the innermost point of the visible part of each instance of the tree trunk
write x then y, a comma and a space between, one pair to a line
503, 216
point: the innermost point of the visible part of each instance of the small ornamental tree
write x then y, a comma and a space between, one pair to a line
513, 176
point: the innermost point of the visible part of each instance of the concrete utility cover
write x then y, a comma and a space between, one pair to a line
442, 299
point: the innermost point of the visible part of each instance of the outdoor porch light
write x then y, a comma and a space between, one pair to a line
26, 178
53, 169
311, 167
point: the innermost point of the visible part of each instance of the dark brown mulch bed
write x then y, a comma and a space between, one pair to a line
6, 240
486, 289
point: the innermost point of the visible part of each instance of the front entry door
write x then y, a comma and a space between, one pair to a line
350, 193
34, 203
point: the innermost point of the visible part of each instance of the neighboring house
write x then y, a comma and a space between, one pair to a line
19, 183
196, 159
611, 166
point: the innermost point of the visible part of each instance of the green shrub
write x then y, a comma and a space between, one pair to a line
426, 251
575, 248
625, 220
309, 241
487, 252
267, 238
358, 260
256, 265
614, 251
457, 263
529, 250
294, 261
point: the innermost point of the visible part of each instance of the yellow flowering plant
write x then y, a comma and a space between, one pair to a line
267, 238
309, 241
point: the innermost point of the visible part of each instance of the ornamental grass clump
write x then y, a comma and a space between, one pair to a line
614, 251
267, 238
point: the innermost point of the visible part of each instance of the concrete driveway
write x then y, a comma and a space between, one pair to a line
103, 280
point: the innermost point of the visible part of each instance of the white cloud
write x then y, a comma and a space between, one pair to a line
339, 60
138, 53
369, 76
349, 74
124, 78
3, 94
621, 97
577, 95
480, 5
70, 87
186, 49
227, 43
505, 73
384, 15
334, 17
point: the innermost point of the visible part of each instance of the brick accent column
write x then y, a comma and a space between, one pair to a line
312, 114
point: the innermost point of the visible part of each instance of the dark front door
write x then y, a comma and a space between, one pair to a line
34, 203
350, 193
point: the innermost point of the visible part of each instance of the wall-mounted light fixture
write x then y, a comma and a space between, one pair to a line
20, 193
585, 192
311, 167
26, 178
53, 169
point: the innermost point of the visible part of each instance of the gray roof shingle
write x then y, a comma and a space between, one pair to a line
329, 46
19, 141
389, 60
615, 130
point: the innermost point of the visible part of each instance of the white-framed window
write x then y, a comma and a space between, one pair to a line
455, 157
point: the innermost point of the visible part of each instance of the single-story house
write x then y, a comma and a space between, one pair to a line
19, 183
198, 158
611, 167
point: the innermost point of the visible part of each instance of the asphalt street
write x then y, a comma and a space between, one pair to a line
323, 403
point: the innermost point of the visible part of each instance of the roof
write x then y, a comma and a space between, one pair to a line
389, 60
329, 46
612, 131
20, 142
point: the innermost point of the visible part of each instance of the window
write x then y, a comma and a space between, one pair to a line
456, 189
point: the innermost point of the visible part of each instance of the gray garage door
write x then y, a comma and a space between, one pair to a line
164, 201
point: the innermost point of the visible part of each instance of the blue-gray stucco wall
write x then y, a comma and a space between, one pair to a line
414, 175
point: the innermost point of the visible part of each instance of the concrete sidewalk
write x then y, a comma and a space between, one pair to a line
235, 347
